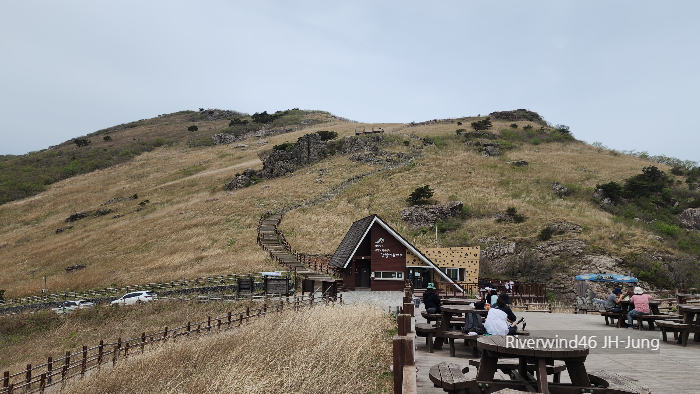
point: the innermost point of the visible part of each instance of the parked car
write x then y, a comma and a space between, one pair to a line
134, 297
73, 305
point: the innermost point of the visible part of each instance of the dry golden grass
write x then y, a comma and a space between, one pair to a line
335, 349
192, 227
33, 338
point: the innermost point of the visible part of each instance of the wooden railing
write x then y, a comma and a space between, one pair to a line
36, 379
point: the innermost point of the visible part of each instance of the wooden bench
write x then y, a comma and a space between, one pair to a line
675, 327
616, 383
508, 365
611, 316
451, 336
450, 377
428, 331
538, 307
431, 317
650, 319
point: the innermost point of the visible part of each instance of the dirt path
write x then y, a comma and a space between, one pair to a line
211, 172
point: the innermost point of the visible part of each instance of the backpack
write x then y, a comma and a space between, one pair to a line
472, 323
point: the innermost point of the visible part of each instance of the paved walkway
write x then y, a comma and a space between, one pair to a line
670, 369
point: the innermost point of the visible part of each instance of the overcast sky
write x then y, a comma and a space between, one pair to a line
625, 73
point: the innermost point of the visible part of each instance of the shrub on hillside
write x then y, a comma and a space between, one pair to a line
459, 123
107, 138
481, 125
528, 127
237, 121
650, 181
612, 190
460, 131
421, 195
562, 128
513, 126
286, 146
81, 142
545, 234
264, 117
192, 128
327, 135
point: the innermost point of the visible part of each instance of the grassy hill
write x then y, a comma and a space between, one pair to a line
183, 223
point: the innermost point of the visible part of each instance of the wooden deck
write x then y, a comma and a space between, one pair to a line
668, 370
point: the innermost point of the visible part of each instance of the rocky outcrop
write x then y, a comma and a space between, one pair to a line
418, 215
217, 114
565, 227
560, 189
223, 139
355, 144
76, 216
489, 149
549, 249
690, 218
604, 200
497, 250
518, 163
308, 149
516, 115
480, 134
245, 179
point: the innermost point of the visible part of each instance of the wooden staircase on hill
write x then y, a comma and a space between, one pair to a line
272, 240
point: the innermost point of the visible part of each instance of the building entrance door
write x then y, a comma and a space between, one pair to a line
362, 274
420, 277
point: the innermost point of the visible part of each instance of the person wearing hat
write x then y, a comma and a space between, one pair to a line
641, 305
498, 317
431, 299
612, 304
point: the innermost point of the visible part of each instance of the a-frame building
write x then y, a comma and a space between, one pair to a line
373, 255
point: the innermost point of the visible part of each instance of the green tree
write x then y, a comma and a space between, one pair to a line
480, 125
421, 195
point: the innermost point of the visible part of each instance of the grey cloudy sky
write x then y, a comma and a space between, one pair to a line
624, 73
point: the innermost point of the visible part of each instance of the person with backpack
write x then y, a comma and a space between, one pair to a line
431, 299
498, 317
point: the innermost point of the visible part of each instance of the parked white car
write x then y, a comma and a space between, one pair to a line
134, 297
73, 305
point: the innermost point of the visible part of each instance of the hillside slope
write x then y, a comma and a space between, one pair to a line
183, 223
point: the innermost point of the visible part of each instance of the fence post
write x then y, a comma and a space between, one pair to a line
240, 319
100, 352
10, 388
6, 379
165, 334
188, 329
42, 383
209, 323
143, 341
229, 318
83, 365
126, 351
28, 376
219, 324
64, 373
49, 368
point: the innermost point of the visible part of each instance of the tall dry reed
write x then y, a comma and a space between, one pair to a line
334, 349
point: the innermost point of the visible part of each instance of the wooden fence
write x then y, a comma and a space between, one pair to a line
37, 378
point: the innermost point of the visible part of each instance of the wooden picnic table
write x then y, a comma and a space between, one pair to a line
448, 311
691, 317
531, 350
653, 306
459, 301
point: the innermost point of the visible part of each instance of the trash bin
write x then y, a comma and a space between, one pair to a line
416, 301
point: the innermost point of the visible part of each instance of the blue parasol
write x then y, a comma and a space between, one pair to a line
607, 278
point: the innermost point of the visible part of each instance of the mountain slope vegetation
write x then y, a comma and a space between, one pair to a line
164, 214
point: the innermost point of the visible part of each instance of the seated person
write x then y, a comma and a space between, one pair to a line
493, 297
431, 299
612, 304
498, 317
641, 305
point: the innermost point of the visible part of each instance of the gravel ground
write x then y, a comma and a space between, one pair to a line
382, 299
